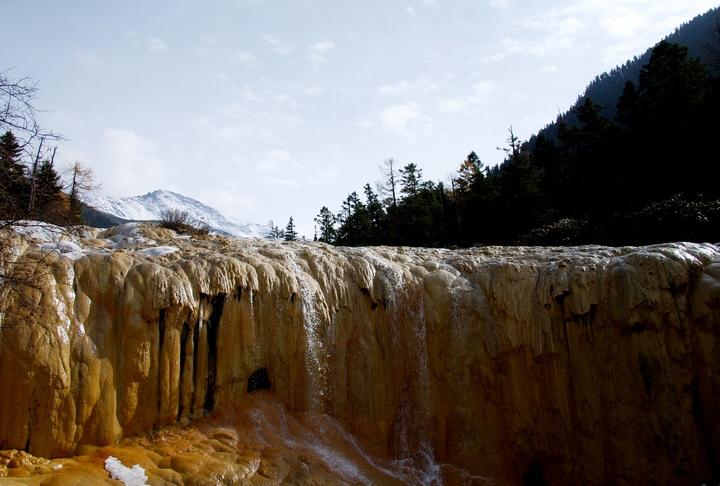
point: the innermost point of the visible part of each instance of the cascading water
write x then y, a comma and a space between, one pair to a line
315, 353
411, 442
382, 366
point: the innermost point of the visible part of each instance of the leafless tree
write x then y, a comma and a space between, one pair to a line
19, 276
19, 115
388, 187
81, 184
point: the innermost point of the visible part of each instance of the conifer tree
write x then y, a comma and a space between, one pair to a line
290, 233
326, 220
353, 222
14, 187
48, 193
376, 217
411, 179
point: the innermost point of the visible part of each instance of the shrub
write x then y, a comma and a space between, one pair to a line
180, 221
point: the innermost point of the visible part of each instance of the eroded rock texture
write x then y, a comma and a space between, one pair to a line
587, 365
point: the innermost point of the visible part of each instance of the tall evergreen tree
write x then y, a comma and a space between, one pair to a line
376, 217
326, 220
48, 193
411, 179
353, 222
666, 115
14, 187
290, 233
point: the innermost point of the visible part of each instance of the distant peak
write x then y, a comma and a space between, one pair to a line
151, 206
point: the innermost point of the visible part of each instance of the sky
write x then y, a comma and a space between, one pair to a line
267, 110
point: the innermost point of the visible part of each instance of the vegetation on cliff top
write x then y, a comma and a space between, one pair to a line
635, 167
640, 169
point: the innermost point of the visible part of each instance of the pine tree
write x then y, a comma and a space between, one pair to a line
353, 222
376, 217
14, 187
48, 193
411, 179
326, 219
290, 233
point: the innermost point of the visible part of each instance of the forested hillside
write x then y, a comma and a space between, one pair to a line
700, 36
637, 167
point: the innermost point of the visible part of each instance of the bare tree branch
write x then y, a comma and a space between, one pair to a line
19, 115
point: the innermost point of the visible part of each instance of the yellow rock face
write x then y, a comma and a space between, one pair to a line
584, 365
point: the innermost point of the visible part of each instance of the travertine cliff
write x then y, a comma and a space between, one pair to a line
588, 365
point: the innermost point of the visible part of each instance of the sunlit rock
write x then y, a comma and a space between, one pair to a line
588, 365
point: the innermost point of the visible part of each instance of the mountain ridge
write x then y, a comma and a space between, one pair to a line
151, 206
697, 34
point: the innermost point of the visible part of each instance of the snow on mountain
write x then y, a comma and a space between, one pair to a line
150, 206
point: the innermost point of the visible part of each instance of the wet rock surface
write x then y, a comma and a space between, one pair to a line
491, 365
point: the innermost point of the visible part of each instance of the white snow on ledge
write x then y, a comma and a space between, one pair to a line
134, 476
158, 251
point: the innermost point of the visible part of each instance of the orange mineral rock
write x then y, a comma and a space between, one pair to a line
584, 365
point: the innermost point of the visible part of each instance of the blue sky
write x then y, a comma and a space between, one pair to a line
265, 109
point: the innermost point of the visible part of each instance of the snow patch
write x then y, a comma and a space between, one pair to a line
40, 231
158, 251
134, 476
150, 207
123, 236
69, 249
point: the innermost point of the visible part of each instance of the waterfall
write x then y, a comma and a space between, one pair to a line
411, 442
315, 350
385, 365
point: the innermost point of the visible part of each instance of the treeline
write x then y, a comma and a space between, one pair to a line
647, 173
30, 186
34, 190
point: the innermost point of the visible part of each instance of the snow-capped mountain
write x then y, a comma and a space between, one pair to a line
150, 206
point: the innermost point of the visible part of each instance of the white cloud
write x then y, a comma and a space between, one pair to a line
219, 76
500, 4
616, 29
552, 32
481, 92
235, 124
409, 10
483, 89
132, 37
314, 90
248, 94
130, 164
451, 105
87, 58
286, 99
406, 120
157, 46
279, 47
243, 58
420, 86
234, 197
206, 43
316, 53
276, 169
